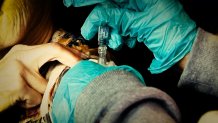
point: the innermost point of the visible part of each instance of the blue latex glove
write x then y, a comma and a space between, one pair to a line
162, 25
73, 83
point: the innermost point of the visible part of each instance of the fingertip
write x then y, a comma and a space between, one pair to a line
96, 18
115, 41
88, 30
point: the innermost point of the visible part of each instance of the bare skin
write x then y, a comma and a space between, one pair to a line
209, 117
19, 72
183, 62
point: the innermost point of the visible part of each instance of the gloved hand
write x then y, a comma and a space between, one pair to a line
74, 82
162, 25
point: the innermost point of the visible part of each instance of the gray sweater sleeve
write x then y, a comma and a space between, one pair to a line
201, 71
118, 97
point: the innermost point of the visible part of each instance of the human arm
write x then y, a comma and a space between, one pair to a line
198, 64
20, 77
200, 72
88, 90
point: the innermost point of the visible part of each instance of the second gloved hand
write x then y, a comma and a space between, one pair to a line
162, 25
74, 83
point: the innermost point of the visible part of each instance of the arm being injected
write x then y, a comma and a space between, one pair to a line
103, 35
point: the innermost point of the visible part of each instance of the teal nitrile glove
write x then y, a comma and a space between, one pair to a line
72, 85
162, 25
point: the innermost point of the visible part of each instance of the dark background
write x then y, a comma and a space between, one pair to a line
191, 104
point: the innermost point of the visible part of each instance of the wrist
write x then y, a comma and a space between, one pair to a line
183, 62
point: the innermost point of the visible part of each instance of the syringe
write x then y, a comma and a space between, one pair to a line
103, 34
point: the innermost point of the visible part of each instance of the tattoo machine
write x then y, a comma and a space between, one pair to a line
103, 35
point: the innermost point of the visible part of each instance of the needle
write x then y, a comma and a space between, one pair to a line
103, 34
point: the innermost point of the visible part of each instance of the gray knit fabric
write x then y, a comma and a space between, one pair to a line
201, 71
116, 96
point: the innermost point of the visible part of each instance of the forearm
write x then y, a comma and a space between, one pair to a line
95, 86
111, 96
72, 85
183, 62
200, 72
